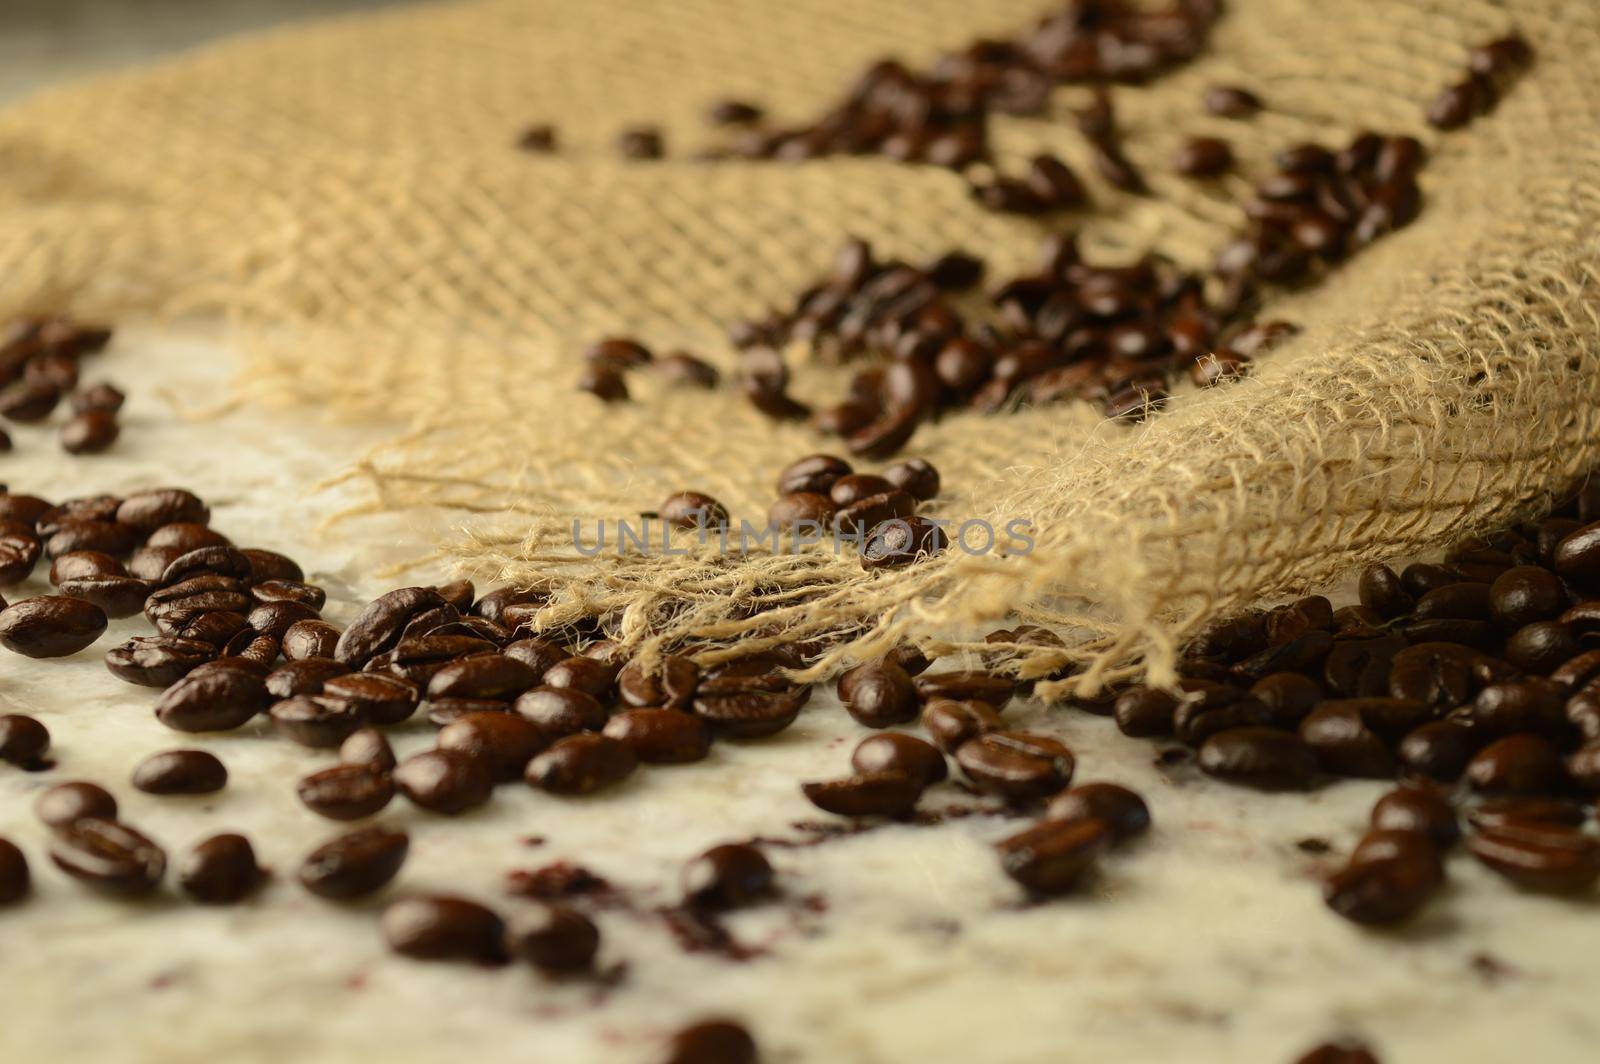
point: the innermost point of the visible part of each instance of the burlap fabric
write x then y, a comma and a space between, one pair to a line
350, 193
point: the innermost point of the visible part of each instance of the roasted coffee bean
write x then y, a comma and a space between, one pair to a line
902, 753
1518, 765
561, 711
1122, 810
108, 856
1202, 713
1385, 891
195, 597
1420, 809
1344, 743
157, 661
1464, 601
220, 870
1532, 705
1233, 638
19, 552
1260, 757
728, 877
276, 618
1359, 668
23, 740
1438, 674
1016, 765
1500, 56
303, 677
183, 537
1583, 766
484, 676
379, 626
881, 695
208, 561
1577, 556
29, 401
444, 781
1439, 750
581, 764
289, 591
553, 938
815, 474
866, 515
1300, 654
367, 747
915, 476
492, 605
693, 509
84, 565
1052, 856
65, 802
458, 593
372, 697
180, 772
670, 683
1575, 672
952, 723
801, 511
853, 488
712, 1042
14, 877
438, 927
346, 791
213, 700
503, 743
750, 714
1542, 646
116, 596
1290, 696
889, 794
356, 864
1227, 101
681, 369
643, 142
1495, 813
1293, 620
591, 676
1204, 157
150, 510
901, 541
310, 639
314, 721
102, 396
50, 626
661, 736
1145, 712
1525, 594
1540, 857
24, 510
966, 686
217, 628
98, 508
268, 566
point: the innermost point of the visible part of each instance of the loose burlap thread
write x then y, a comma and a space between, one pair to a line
349, 193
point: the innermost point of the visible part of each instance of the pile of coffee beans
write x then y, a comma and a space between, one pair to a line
39, 367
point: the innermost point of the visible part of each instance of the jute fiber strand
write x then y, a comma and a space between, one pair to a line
350, 194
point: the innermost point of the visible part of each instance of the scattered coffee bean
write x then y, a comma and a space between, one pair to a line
370, 696
220, 870
1204, 157
503, 743
581, 764
952, 723
965, 687
367, 747
1545, 857
881, 695
14, 877
66, 802
712, 1042
180, 772
212, 700
889, 794
157, 661
561, 711
1124, 813
356, 864
1386, 886
1259, 757
346, 791
108, 856
50, 626
1053, 855
442, 927
728, 877
23, 740
444, 781
1420, 809
898, 752
1521, 764
670, 684
313, 721
553, 938
378, 627
1016, 765
661, 736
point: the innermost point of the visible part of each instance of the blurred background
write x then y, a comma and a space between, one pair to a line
44, 41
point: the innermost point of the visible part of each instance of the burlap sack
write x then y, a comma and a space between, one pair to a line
350, 193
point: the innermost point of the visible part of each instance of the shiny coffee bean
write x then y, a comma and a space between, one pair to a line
814, 474
180, 772
1145, 712
116, 596
1385, 890
661, 736
669, 684
66, 802
1290, 696
379, 626
889, 794
503, 743
313, 721
750, 714
593, 677
157, 661
310, 639
881, 695
1344, 743
1260, 757
712, 1042
1124, 813
444, 781
23, 740
556, 939
346, 791
304, 676
50, 626
1512, 706
1542, 646
1016, 765
1540, 857
1525, 594
966, 686
1419, 809
181, 537
354, 865
952, 723
437, 927
1523, 765
15, 880
149, 510
109, 856
213, 700
801, 512
368, 747
901, 753
916, 477
1383, 592
295, 591
581, 764
276, 618
1439, 750
207, 561
1438, 674
373, 697
728, 877
220, 870
1052, 856
561, 711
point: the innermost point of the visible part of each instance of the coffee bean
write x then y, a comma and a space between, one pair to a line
1383, 592
315, 721
418, 659
1439, 750
1016, 765
1122, 810
50, 626
367, 747
355, 864
157, 661
1145, 712
14, 877
1500, 56
276, 618
661, 736
66, 802
375, 698
1205, 708
303, 677
1517, 765
19, 552
84, 565
289, 591
815, 474
952, 723
443, 927
208, 561
444, 780
897, 752
1545, 858
346, 791
915, 476
671, 683
150, 510
712, 1042
1260, 757
581, 764
29, 401
1577, 556
561, 710
310, 639
493, 604
22, 509
183, 537
1435, 673
180, 772
101, 508
215, 700
801, 511
966, 686
1290, 696
1052, 856
890, 794
1533, 705
503, 743
1384, 890
553, 938
681, 369
853, 488
1204, 157
1525, 594
1542, 646
589, 675
882, 695
642, 142
751, 714
102, 396
1419, 809
1455, 106
108, 856
1494, 814
727, 877
1345, 745
1227, 101
23, 740
220, 870
378, 627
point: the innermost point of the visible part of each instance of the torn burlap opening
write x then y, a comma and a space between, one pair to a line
350, 194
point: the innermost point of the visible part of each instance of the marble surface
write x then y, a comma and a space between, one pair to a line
1205, 941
